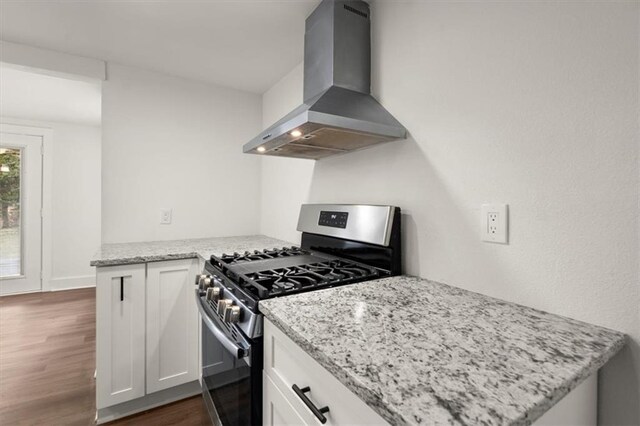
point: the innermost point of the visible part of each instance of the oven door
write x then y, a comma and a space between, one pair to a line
231, 371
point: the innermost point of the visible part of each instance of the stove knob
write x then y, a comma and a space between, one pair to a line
206, 281
214, 293
210, 293
198, 278
232, 314
222, 305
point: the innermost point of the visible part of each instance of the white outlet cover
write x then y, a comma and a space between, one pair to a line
165, 216
494, 223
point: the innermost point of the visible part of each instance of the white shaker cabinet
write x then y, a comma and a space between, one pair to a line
172, 324
120, 326
147, 336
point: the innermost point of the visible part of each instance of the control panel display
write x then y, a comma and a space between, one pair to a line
333, 219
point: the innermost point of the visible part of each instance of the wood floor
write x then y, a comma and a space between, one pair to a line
47, 361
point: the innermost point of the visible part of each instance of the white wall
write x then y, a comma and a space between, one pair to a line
285, 183
173, 143
75, 204
531, 104
42, 97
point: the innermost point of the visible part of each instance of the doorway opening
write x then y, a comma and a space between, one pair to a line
50, 180
10, 231
21, 205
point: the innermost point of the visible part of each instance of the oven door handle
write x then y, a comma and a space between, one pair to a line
236, 350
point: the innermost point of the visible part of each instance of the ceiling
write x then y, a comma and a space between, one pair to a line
39, 97
244, 44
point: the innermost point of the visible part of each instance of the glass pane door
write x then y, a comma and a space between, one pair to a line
10, 235
20, 217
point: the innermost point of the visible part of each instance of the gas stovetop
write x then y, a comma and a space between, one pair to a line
276, 272
340, 244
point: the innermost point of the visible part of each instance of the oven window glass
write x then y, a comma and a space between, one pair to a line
226, 381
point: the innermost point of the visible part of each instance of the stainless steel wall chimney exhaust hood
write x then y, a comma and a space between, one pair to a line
338, 114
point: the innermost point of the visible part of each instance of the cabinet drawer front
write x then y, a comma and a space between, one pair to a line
276, 410
287, 364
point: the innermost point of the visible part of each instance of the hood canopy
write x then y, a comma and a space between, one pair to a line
338, 114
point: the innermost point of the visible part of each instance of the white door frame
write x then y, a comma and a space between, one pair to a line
47, 167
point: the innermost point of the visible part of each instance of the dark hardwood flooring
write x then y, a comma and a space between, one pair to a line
47, 361
188, 412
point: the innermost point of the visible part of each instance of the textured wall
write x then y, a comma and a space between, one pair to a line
530, 104
173, 143
285, 183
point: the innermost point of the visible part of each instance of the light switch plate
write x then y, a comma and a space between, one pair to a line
494, 223
165, 216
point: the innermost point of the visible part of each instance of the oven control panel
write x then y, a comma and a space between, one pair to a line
333, 219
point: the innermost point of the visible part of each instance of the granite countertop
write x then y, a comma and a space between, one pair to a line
128, 253
421, 352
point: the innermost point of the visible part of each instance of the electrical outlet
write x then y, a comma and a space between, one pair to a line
494, 223
165, 216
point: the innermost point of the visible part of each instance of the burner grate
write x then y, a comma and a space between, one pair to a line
236, 258
260, 275
340, 270
275, 282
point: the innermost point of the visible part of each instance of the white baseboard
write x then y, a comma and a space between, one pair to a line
69, 283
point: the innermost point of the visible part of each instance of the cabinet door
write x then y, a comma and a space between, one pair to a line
120, 330
172, 324
276, 410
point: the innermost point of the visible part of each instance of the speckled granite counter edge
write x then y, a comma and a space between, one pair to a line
386, 412
545, 404
114, 254
390, 414
144, 259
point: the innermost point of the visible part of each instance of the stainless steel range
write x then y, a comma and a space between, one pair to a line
341, 244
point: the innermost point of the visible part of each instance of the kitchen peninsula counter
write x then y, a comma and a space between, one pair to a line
421, 352
154, 251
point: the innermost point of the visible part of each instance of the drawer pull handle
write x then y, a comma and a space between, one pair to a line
121, 289
318, 412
